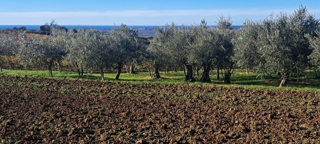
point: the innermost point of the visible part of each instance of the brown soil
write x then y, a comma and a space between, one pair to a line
43, 110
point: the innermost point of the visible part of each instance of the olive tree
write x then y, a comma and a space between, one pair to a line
274, 43
245, 46
141, 54
126, 46
205, 48
173, 43
302, 25
283, 45
76, 51
225, 53
157, 52
47, 50
315, 55
92, 48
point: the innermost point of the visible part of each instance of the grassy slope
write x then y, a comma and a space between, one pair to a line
238, 79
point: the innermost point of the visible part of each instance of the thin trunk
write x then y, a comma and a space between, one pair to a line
59, 67
50, 70
150, 73
0, 68
195, 68
228, 72
206, 73
227, 77
101, 73
50, 73
81, 71
156, 70
49, 67
197, 71
132, 69
78, 68
284, 78
184, 71
247, 71
189, 75
283, 82
119, 67
218, 73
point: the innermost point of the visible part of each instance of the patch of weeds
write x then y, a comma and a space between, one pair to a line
64, 90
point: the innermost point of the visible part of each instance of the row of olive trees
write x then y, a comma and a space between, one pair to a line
198, 45
279, 45
285, 45
84, 49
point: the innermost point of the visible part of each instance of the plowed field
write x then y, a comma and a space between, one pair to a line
43, 110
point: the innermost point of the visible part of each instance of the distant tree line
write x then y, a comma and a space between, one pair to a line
284, 45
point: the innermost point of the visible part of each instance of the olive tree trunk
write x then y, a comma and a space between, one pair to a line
132, 69
189, 74
79, 69
283, 82
59, 66
218, 73
119, 68
227, 77
49, 67
227, 73
206, 73
284, 78
156, 70
101, 73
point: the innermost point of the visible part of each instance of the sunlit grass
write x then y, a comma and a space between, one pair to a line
238, 79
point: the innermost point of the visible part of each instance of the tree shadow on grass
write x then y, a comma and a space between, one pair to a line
84, 77
310, 83
151, 80
245, 80
298, 83
250, 80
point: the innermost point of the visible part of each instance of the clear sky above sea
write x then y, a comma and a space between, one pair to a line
144, 12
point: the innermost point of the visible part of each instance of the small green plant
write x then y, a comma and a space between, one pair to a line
64, 90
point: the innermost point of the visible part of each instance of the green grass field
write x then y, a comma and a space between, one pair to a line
238, 79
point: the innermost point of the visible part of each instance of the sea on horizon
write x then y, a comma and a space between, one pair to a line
37, 27
143, 30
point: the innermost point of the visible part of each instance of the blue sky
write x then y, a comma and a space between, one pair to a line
144, 12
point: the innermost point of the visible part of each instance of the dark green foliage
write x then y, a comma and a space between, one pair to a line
246, 49
283, 45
